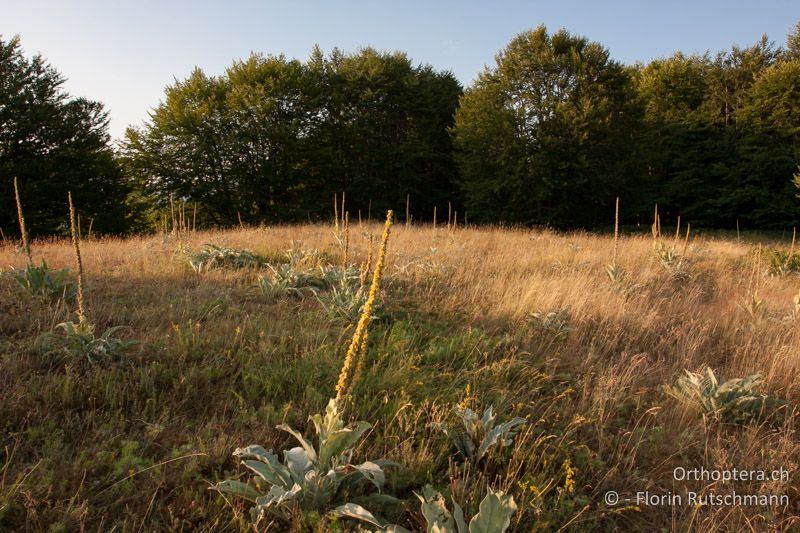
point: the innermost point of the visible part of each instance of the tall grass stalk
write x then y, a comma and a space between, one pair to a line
654, 227
686, 240
346, 240
366, 267
76, 244
341, 211
449, 212
25, 244
336, 212
172, 213
616, 233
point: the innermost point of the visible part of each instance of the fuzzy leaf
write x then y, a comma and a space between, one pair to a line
298, 462
494, 514
312, 454
237, 488
278, 495
437, 517
272, 470
353, 510
458, 515
372, 472
504, 431
338, 441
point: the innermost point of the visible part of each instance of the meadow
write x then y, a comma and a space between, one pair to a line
529, 321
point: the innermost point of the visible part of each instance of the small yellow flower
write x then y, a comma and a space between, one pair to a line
465, 401
569, 477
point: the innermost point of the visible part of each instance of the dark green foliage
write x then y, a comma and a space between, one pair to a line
546, 135
556, 130
720, 136
551, 134
54, 143
274, 139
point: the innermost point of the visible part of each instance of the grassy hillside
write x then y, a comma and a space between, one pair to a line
526, 321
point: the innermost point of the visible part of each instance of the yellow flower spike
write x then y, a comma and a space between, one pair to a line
465, 402
569, 477
345, 382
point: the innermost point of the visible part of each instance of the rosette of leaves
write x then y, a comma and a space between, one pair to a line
43, 282
555, 323
493, 516
479, 434
733, 401
79, 341
345, 300
782, 263
672, 262
286, 280
212, 256
310, 478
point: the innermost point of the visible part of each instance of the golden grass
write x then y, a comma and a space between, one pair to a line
460, 301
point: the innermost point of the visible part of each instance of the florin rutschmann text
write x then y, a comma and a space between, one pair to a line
709, 498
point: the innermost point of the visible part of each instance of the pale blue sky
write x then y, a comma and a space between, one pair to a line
125, 53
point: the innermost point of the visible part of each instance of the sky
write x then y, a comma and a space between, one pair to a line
124, 54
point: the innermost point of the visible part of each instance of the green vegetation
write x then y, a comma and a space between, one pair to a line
212, 256
593, 382
310, 478
54, 143
494, 516
480, 433
49, 284
734, 400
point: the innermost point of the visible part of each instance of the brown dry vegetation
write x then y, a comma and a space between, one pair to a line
134, 445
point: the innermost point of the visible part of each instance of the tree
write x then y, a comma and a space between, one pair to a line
54, 143
793, 43
229, 143
721, 135
548, 134
274, 139
385, 130
770, 145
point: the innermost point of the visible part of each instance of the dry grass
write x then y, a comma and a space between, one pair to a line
219, 366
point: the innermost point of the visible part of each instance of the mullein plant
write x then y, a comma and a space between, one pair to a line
39, 281
79, 340
317, 478
354, 358
26, 247
345, 300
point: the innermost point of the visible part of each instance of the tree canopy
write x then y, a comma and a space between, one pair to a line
539, 137
551, 133
54, 143
274, 139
